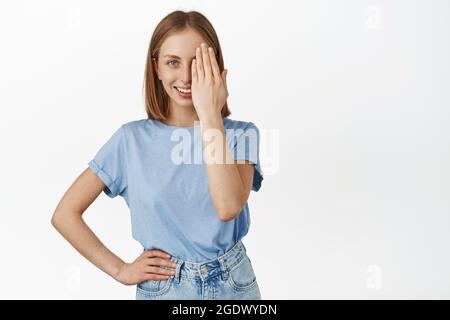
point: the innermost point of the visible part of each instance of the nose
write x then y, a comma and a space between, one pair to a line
186, 75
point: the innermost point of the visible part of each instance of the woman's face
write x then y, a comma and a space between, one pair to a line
174, 65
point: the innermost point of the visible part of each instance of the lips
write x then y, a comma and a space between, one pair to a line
177, 88
184, 95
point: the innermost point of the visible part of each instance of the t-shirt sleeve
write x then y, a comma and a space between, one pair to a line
109, 164
246, 147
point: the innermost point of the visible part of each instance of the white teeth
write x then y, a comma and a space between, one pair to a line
183, 90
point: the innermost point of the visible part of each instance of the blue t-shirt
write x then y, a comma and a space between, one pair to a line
160, 171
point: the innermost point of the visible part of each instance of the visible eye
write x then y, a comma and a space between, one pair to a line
170, 62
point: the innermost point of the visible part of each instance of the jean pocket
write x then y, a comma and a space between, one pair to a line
154, 287
241, 277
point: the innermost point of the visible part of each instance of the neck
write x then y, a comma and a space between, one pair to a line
182, 116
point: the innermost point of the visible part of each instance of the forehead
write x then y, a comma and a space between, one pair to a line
182, 44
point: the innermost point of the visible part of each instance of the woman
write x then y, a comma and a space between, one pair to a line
185, 172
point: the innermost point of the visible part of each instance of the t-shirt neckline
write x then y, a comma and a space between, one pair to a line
171, 127
165, 126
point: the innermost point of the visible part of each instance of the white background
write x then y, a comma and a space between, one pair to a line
355, 201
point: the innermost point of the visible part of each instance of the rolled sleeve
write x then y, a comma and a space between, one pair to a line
109, 164
247, 148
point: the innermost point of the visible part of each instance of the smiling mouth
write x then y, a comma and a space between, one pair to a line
183, 90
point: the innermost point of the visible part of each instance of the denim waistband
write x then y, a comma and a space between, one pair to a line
205, 270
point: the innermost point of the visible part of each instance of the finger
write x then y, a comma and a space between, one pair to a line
157, 270
206, 62
224, 78
199, 63
151, 276
157, 253
214, 64
194, 70
161, 262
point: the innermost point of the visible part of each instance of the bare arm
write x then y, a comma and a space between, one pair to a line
229, 181
67, 219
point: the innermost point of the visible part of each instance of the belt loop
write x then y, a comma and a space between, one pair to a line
178, 271
223, 269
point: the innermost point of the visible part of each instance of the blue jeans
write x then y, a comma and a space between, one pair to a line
228, 277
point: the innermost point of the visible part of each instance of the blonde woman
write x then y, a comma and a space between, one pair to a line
185, 172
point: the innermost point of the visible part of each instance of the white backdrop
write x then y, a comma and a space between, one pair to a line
352, 101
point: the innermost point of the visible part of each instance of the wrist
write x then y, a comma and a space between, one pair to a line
118, 269
211, 119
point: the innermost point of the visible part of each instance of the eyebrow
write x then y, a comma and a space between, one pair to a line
174, 56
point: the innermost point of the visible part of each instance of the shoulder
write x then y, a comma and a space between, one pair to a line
239, 124
134, 126
127, 130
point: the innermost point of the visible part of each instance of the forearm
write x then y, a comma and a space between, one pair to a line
73, 228
225, 183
